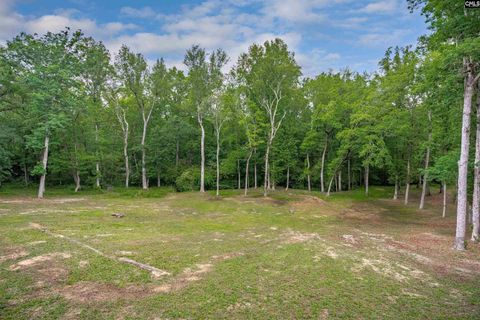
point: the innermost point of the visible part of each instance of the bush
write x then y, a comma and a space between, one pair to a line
189, 180
186, 181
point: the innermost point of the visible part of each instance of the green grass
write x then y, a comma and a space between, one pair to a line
276, 258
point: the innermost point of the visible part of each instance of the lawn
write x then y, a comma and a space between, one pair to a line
293, 255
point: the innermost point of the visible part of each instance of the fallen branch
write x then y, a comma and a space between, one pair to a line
156, 273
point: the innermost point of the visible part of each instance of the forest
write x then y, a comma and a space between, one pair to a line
71, 112
240, 187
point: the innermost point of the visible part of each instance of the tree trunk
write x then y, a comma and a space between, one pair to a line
125, 156
273, 183
322, 166
367, 172
444, 199
330, 185
144, 169
97, 164
395, 193
246, 171
255, 181
427, 159
288, 178
308, 173
340, 180
266, 182
122, 119
25, 173
41, 187
463, 162
217, 135
239, 175
202, 153
407, 182
476, 179
76, 178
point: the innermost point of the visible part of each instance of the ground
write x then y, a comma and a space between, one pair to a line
293, 255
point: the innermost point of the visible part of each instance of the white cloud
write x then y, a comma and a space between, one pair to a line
383, 39
295, 10
145, 12
318, 59
55, 23
11, 23
385, 6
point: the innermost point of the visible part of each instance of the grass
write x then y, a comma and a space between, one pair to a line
292, 255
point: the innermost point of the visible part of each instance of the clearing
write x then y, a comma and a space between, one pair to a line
293, 255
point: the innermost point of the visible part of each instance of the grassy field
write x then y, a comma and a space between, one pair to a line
293, 255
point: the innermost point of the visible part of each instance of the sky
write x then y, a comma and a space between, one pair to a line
324, 34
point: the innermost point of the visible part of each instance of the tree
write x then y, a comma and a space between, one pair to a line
456, 32
49, 68
204, 77
95, 70
133, 71
218, 114
269, 74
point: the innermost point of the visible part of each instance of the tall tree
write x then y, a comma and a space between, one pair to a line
49, 68
270, 74
133, 71
204, 77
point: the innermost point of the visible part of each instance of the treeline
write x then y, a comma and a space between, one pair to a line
70, 112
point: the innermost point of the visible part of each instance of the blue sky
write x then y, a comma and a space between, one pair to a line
324, 34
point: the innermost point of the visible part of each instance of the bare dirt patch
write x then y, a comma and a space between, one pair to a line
298, 237
193, 274
39, 259
90, 292
382, 266
14, 254
308, 203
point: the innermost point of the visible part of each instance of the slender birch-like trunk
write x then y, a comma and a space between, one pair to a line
308, 173
122, 119
217, 136
267, 180
76, 178
41, 187
144, 135
476, 179
246, 171
444, 185
395, 193
97, 164
330, 185
25, 173
288, 178
239, 175
340, 180
125, 157
427, 159
202, 153
407, 181
255, 180
462, 201
322, 166
159, 182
